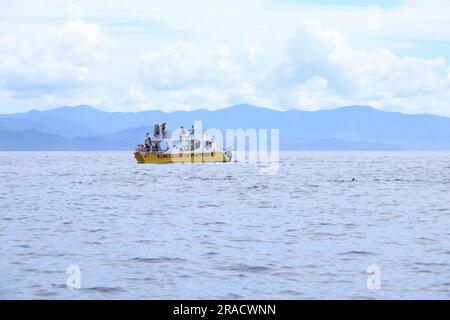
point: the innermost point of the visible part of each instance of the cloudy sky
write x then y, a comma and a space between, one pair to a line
183, 55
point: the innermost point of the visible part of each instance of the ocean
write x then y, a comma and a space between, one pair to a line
96, 225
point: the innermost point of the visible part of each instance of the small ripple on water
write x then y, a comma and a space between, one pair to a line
357, 253
103, 290
291, 293
245, 268
159, 260
213, 223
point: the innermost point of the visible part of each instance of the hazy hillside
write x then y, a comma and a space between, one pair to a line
346, 128
76, 121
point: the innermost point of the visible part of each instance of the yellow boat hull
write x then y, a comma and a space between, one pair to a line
216, 156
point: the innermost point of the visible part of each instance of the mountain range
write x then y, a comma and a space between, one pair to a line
345, 128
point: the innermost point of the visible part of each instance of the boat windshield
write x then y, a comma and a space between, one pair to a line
163, 146
186, 144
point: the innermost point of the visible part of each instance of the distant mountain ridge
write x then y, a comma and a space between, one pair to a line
344, 128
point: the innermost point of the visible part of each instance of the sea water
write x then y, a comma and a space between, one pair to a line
96, 225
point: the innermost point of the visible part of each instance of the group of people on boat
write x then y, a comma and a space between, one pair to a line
183, 133
160, 130
160, 134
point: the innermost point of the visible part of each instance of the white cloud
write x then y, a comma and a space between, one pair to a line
311, 95
53, 60
78, 41
253, 53
136, 92
74, 12
185, 65
322, 68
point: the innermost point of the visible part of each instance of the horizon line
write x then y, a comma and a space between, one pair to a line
224, 108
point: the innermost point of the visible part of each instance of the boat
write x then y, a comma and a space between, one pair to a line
184, 150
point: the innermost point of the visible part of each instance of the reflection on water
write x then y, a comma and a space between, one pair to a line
225, 230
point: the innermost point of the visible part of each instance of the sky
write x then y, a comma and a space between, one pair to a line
184, 55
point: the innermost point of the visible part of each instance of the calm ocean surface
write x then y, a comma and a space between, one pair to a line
225, 230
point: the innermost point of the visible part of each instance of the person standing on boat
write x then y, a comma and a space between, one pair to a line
164, 130
148, 141
157, 132
192, 132
182, 133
